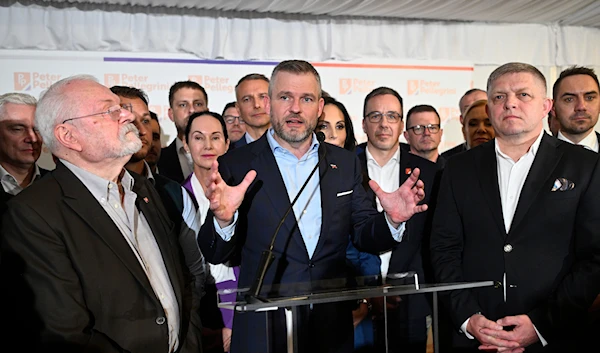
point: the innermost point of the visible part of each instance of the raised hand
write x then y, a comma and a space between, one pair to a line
523, 334
402, 204
225, 199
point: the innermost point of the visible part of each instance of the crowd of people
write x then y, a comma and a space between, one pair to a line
125, 246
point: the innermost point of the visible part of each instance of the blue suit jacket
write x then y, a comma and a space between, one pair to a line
329, 327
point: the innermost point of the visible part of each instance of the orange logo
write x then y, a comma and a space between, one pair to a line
111, 80
22, 81
196, 78
345, 85
413, 87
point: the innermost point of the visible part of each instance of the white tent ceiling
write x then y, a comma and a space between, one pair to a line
560, 12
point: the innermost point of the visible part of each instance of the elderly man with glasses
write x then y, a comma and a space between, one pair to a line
423, 133
101, 254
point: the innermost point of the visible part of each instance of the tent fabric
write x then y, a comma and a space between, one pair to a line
213, 33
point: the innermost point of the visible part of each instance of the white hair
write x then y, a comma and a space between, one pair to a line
15, 98
55, 106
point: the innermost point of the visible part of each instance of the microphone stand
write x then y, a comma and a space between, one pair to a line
267, 257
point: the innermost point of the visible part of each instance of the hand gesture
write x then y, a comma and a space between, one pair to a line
225, 199
402, 204
523, 334
487, 332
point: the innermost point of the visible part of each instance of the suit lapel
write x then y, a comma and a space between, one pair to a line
545, 161
85, 206
485, 159
328, 176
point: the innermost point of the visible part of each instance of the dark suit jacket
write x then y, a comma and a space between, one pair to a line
168, 163
239, 143
454, 150
90, 290
328, 328
551, 254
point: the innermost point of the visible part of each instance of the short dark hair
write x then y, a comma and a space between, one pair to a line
217, 116
130, 92
380, 91
250, 77
422, 108
153, 116
515, 68
185, 84
572, 71
297, 67
227, 106
350, 142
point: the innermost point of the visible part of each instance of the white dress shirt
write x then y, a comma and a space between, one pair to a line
10, 184
185, 159
590, 142
511, 178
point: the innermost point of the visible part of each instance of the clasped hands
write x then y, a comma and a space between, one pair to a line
492, 336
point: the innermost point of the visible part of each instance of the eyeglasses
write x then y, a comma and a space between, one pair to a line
127, 106
420, 129
230, 119
392, 117
113, 112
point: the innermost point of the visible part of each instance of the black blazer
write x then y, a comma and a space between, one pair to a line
90, 290
345, 210
454, 150
168, 163
551, 254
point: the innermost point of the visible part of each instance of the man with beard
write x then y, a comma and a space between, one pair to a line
423, 133
185, 98
311, 243
177, 202
577, 105
251, 94
155, 147
99, 249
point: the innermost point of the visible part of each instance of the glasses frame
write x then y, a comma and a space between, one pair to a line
428, 127
392, 117
112, 110
239, 119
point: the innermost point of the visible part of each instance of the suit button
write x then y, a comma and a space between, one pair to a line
160, 320
311, 264
508, 248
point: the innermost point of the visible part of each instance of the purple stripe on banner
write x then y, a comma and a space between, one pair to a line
191, 61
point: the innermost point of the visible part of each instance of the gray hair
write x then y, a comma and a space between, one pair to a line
54, 106
515, 68
15, 98
297, 67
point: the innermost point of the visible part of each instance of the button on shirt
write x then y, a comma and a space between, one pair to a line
136, 231
590, 142
185, 158
388, 177
10, 184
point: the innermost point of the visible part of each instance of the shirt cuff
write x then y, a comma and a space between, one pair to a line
463, 328
397, 233
227, 232
544, 342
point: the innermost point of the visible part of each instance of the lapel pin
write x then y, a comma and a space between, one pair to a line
407, 171
333, 166
146, 200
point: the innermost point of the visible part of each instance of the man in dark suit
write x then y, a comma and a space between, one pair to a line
522, 211
251, 93
185, 98
390, 163
311, 245
99, 250
577, 106
465, 101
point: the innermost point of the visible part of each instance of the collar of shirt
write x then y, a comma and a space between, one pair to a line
395, 157
149, 174
10, 184
179, 146
532, 150
279, 150
249, 138
98, 186
590, 141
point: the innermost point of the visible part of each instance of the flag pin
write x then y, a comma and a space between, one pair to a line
333, 166
146, 200
407, 171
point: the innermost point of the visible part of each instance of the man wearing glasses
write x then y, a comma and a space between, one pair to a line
101, 255
236, 127
390, 163
423, 133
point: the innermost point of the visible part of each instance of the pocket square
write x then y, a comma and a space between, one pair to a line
339, 194
563, 184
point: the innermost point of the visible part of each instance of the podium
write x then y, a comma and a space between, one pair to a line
323, 296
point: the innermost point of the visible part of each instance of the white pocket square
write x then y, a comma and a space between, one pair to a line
344, 193
563, 184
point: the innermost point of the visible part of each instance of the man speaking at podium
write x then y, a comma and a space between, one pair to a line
249, 196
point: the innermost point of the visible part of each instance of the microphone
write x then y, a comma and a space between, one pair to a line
267, 257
